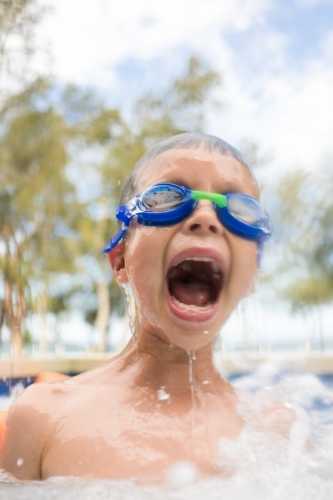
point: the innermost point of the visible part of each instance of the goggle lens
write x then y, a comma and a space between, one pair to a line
162, 198
246, 209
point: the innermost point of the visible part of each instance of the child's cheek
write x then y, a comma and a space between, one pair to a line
144, 264
139, 238
248, 267
243, 271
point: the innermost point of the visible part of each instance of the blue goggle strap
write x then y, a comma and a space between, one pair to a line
116, 239
125, 215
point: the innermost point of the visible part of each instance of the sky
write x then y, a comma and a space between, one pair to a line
275, 58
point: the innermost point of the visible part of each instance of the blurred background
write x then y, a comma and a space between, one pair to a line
87, 86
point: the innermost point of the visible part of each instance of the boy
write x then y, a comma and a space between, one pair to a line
190, 254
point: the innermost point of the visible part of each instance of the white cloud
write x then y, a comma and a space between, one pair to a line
292, 115
90, 38
285, 106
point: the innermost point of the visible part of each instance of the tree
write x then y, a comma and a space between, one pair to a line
303, 211
36, 201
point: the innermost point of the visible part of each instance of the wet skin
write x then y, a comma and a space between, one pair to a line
135, 415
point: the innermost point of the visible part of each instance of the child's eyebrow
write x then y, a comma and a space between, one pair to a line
180, 183
231, 187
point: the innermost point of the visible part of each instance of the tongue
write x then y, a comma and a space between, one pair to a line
196, 293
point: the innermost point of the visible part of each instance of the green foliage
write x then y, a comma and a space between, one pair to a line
310, 291
181, 107
35, 197
26, 337
303, 223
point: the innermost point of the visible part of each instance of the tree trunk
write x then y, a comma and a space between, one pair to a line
14, 311
103, 314
17, 343
103, 297
42, 311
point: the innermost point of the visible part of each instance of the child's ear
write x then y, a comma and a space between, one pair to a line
117, 263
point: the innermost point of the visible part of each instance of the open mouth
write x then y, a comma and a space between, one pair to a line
194, 286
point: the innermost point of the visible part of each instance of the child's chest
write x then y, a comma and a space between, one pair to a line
127, 440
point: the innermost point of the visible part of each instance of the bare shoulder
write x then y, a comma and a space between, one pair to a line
27, 428
267, 415
279, 418
35, 416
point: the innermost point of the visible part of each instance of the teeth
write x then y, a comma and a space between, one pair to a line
186, 267
188, 307
202, 259
216, 267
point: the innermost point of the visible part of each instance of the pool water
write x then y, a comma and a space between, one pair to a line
267, 466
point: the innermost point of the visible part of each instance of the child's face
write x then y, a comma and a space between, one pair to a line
187, 278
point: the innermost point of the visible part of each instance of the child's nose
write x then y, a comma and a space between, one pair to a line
204, 219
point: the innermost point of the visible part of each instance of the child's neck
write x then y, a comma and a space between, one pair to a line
159, 364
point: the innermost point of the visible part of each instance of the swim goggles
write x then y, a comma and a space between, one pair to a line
166, 204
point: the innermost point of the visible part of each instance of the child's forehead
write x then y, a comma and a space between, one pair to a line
195, 165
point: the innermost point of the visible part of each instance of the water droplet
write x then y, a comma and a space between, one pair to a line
20, 462
129, 311
191, 358
162, 395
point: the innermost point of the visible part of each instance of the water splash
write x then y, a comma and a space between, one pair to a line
162, 395
241, 312
191, 358
131, 320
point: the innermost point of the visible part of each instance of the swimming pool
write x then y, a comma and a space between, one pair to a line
267, 467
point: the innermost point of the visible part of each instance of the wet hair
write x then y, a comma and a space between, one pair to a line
192, 140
